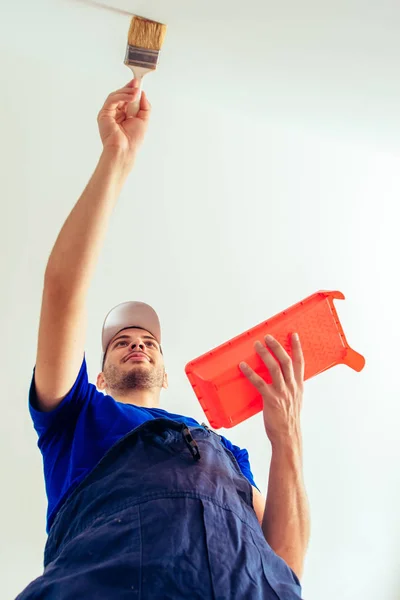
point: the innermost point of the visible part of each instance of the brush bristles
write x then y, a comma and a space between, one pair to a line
144, 33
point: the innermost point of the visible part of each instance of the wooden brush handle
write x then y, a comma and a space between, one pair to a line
138, 73
134, 107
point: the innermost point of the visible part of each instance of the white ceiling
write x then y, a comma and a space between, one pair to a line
271, 171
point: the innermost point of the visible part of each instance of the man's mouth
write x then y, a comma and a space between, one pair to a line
137, 356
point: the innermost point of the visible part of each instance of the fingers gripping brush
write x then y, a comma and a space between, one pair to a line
145, 39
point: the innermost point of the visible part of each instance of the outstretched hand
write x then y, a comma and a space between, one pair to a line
118, 131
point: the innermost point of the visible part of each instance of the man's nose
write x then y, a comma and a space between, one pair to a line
137, 344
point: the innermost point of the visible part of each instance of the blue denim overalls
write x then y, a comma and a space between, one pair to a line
166, 514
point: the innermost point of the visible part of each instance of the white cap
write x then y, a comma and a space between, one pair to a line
130, 314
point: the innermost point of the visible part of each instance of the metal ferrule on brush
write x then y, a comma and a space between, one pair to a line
141, 57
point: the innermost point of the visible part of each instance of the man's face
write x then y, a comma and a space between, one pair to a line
133, 361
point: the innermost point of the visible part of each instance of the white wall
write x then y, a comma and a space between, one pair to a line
274, 137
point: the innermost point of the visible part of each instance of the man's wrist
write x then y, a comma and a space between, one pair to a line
119, 159
289, 446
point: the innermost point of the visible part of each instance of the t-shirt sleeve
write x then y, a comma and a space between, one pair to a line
66, 413
242, 457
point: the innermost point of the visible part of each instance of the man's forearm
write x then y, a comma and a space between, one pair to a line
74, 257
286, 522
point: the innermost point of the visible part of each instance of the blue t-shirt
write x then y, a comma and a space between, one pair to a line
75, 436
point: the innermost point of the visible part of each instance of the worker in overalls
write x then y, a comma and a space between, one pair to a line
143, 503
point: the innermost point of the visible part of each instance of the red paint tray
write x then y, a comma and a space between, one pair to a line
224, 393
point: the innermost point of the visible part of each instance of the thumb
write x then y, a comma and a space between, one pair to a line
144, 108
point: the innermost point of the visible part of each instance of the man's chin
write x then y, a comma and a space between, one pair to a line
135, 363
139, 365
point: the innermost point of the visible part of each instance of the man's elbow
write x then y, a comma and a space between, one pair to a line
293, 559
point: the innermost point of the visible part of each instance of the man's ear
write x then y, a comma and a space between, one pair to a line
165, 381
101, 382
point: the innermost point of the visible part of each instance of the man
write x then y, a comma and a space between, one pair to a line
144, 503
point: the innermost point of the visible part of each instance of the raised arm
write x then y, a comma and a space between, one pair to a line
285, 520
72, 262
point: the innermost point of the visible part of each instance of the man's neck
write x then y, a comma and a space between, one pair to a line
148, 398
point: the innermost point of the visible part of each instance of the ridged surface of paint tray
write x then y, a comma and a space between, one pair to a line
225, 394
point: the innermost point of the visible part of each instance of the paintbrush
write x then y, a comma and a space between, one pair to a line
145, 39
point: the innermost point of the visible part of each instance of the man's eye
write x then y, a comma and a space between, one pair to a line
151, 344
121, 342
